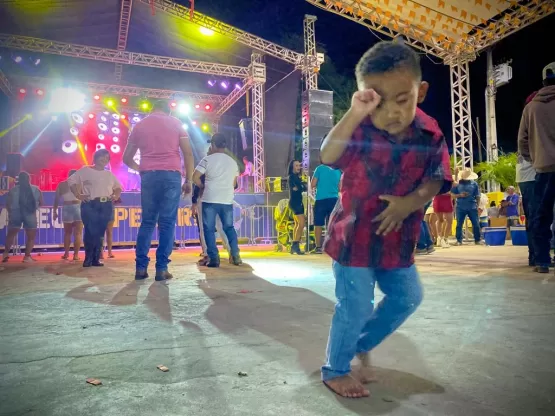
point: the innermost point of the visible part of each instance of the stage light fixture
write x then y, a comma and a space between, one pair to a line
102, 126
91, 116
238, 86
208, 107
103, 118
115, 139
96, 97
116, 123
69, 146
100, 146
124, 100
66, 100
78, 118
224, 85
194, 123
185, 126
37, 61
205, 127
115, 130
101, 136
205, 31
115, 148
39, 92
18, 59
197, 106
115, 116
22, 91
74, 131
136, 119
145, 105
110, 102
211, 83
122, 117
184, 108
173, 104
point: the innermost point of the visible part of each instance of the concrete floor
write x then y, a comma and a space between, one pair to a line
482, 342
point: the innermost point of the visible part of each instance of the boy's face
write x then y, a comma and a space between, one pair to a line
401, 91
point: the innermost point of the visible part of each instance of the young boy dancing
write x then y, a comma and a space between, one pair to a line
394, 160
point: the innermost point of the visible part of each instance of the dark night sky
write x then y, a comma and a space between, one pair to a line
345, 41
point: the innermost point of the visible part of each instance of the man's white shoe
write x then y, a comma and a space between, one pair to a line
445, 243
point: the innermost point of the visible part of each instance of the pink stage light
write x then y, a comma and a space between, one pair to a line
208, 107
91, 116
39, 92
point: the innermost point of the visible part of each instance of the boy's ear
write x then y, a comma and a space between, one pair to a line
422, 91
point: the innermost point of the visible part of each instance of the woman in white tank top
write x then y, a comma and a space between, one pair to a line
71, 217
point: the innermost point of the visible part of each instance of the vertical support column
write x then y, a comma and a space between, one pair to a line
305, 134
310, 67
258, 76
461, 115
124, 19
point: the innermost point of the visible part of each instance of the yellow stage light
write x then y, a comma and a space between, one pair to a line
205, 127
205, 31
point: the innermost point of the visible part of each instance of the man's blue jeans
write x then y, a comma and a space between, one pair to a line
160, 194
544, 198
474, 220
358, 327
425, 239
527, 190
209, 213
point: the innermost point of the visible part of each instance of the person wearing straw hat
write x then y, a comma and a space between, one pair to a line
467, 194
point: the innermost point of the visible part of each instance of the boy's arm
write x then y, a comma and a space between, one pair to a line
337, 141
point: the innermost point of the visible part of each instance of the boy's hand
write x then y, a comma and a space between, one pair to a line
393, 216
365, 102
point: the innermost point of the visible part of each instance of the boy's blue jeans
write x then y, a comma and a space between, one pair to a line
358, 327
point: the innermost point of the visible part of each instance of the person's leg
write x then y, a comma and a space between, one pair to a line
86, 216
461, 218
544, 193
298, 234
319, 222
222, 234
403, 294
200, 228
170, 185
226, 215
149, 217
424, 237
354, 289
110, 238
68, 230
440, 226
527, 189
10, 238
30, 234
475, 221
448, 225
103, 215
77, 238
209, 212
434, 235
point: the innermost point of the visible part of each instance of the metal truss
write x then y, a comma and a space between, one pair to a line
124, 19
232, 98
305, 124
123, 57
461, 115
519, 15
258, 77
5, 85
125, 90
311, 67
231, 32
367, 15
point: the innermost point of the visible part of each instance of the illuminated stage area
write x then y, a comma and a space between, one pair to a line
269, 319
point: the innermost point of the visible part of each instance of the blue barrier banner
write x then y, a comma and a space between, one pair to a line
250, 220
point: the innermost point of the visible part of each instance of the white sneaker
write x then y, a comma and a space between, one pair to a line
28, 260
445, 243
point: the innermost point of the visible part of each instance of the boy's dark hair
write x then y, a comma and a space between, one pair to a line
219, 141
100, 153
388, 56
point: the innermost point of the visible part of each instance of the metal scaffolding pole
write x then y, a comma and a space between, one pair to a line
310, 70
124, 19
258, 76
461, 114
5, 86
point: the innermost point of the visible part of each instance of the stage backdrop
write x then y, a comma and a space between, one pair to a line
252, 220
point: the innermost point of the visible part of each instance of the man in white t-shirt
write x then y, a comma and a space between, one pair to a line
220, 171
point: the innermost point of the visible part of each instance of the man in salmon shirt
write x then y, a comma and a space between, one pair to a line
159, 137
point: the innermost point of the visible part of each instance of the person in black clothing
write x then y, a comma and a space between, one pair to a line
296, 189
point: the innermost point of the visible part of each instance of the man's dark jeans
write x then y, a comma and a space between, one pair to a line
544, 198
527, 190
96, 216
160, 194
425, 240
225, 212
461, 219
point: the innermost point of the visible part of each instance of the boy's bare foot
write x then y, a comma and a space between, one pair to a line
347, 386
364, 371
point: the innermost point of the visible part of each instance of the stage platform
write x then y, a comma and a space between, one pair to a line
254, 220
481, 344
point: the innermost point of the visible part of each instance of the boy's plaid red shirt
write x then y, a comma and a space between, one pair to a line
374, 165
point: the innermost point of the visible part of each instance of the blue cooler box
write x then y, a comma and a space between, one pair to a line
495, 236
518, 236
